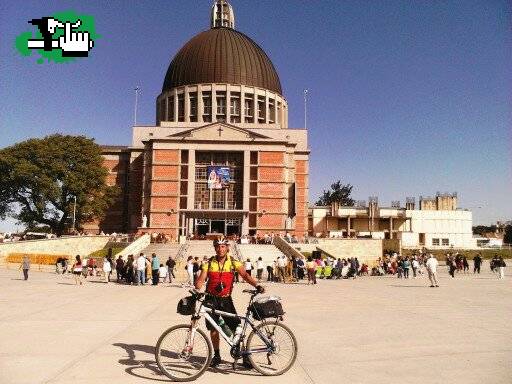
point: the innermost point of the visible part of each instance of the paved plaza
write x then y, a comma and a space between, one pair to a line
368, 330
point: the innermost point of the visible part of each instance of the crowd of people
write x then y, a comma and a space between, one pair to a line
132, 271
144, 269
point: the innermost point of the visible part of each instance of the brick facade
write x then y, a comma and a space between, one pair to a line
163, 203
301, 197
150, 181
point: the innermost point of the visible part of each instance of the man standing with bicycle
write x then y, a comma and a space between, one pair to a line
219, 274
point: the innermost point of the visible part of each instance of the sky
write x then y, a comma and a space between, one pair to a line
406, 98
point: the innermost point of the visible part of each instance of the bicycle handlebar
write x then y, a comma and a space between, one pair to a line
196, 293
253, 292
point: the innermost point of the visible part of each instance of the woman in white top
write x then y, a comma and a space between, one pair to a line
248, 266
259, 268
190, 271
162, 273
107, 268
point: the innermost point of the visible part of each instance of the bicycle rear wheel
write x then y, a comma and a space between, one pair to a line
284, 352
177, 359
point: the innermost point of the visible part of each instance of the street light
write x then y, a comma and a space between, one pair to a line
74, 214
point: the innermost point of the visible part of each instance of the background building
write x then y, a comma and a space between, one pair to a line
221, 110
436, 223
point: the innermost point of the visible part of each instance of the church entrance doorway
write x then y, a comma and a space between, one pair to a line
218, 226
226, 227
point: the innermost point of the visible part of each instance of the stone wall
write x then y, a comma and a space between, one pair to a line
76, 245
366, 250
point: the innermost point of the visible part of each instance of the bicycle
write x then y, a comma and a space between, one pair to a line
184, 352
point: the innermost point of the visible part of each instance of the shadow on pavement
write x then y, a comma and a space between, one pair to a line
144, 369
148, 369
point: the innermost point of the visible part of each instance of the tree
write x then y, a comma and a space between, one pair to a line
338, 193
40, 179
507, 238
482, 229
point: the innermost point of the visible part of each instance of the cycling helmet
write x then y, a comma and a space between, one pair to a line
220, 241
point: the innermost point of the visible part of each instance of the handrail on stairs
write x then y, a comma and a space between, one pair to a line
236, 251
182, 252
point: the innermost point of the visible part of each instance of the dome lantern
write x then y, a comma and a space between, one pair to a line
222, 15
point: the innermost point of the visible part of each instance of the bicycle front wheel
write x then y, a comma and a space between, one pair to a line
180, 357
282, 354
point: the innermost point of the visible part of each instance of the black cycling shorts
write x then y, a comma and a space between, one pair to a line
222, 304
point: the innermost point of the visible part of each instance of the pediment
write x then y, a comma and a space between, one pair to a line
219, 131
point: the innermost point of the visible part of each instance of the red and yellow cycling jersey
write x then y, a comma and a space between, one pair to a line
223, 272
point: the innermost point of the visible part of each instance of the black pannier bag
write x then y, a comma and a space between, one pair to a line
186, 306
267, 307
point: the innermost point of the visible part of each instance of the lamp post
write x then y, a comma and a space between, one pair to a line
305, 108
74, 214
137, 90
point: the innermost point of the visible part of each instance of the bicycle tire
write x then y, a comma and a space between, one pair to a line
164, 369
252, 357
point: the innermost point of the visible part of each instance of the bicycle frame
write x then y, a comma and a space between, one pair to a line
245, 321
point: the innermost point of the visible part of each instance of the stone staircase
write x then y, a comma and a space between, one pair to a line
268, 253
199, 248
163, 251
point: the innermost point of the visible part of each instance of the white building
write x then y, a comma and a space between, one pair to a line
436, 224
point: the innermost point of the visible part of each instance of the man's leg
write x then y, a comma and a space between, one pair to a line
431, 278
216, 360
435, 279
283, 275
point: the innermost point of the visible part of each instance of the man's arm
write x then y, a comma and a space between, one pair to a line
201, 279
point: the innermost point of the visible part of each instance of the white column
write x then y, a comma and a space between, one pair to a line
228, 104
267, 111
214, 104
199, 104
186, 96
175, 95
245, 224
242, 104
190, 222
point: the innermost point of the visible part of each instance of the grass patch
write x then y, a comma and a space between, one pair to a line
100, 253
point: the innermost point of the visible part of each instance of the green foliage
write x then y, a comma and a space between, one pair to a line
339, 193
101, 253
41, 177
481, 229
507, 238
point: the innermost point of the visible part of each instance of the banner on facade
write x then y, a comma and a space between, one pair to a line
218, 177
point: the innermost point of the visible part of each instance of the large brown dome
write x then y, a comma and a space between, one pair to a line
222, 55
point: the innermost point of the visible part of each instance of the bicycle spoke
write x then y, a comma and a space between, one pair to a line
181, 361
277, 361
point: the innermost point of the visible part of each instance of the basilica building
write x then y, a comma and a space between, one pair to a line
221, 157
